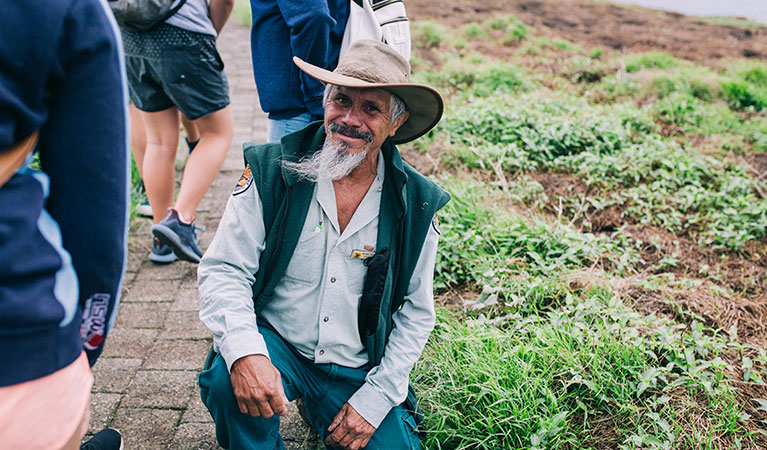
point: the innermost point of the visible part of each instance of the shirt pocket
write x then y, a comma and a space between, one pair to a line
356, 270
306, 264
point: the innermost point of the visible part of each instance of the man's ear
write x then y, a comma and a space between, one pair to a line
402, 118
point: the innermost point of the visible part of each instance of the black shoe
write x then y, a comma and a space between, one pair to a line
180, 237
106, 439
161, 253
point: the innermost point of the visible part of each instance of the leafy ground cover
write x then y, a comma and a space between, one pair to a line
602, 274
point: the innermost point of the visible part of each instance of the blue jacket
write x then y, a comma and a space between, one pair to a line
282, 29
63, 227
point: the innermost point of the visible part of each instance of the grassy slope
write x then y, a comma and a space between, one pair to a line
603, 258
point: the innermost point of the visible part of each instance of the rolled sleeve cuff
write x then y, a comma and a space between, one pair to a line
370, 404
236, 345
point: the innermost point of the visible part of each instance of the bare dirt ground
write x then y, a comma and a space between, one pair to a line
610, 26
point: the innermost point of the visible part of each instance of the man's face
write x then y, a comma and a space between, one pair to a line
358, 119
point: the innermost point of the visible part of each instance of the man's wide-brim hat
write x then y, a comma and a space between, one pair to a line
373, 64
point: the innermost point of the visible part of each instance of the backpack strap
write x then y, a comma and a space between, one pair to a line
12, 159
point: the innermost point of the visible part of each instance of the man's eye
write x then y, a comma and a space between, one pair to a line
342, 101
372, 109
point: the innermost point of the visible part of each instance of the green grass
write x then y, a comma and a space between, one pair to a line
551, 344
241, 12
542, 380
649, 60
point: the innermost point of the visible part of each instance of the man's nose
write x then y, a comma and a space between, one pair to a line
352, 117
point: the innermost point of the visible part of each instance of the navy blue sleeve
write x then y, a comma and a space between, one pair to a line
310, 23
83, 149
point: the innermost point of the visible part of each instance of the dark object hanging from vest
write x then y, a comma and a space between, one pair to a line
372, 292
144, 15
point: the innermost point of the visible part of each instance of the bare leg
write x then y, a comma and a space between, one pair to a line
216, 130
192, 134
159, 178
137, 138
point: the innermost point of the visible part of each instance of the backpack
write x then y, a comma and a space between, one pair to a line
380, 20
143, 15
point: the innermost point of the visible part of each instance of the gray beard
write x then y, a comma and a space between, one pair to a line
330, 163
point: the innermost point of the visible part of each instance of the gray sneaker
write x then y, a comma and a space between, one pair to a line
180, 237
161, 253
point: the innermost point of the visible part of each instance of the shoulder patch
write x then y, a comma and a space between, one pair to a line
246, 179
435, 224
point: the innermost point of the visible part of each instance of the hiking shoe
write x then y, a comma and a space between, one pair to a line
161, 253
106, 439
143, 209
180, 237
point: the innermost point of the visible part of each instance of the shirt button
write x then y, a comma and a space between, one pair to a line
333, 280
322, 352
325, 319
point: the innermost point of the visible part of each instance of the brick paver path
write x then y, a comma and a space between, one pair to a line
145, 381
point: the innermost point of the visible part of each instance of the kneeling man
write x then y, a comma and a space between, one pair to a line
318, 284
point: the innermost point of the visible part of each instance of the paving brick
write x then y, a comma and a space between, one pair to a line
196, 412
177, 355
195, 436
175, 271
114, 374
142, 315
103, 407
129, 342
184, 325
188, 300
146, 429
160, 389
152, 291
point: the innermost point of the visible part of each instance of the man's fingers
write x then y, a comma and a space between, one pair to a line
337, 419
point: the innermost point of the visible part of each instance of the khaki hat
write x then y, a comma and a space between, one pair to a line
373, 64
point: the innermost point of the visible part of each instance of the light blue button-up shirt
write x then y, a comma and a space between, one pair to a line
315, 305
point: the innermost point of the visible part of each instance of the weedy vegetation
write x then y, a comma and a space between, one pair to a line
602, 271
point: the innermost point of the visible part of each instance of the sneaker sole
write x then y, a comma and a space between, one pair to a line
144, 211
162, 259
171, 239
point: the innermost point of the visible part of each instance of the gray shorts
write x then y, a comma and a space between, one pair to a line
170, 66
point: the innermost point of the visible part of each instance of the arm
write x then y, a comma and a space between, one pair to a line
310, 23
88, 170
226, 305
219, 11
386, 384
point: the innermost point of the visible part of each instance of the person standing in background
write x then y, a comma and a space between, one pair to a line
308, 29
176, 67
63, 226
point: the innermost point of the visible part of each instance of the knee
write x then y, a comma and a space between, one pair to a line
216, 386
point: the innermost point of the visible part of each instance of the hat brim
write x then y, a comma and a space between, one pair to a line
424, 103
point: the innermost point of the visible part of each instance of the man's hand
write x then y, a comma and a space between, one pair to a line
257, 386
349, 430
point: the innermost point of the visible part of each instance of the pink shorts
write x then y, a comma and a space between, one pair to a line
45, 413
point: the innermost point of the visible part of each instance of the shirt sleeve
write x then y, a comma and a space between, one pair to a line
310, 23
83, 148
386, 384
226, 275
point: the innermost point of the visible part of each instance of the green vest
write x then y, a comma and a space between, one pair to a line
409, 202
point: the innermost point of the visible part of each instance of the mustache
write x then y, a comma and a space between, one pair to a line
354, 132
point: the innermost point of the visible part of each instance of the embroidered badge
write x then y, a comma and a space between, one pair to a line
246, 179
94, 321
362, 254
435, 224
